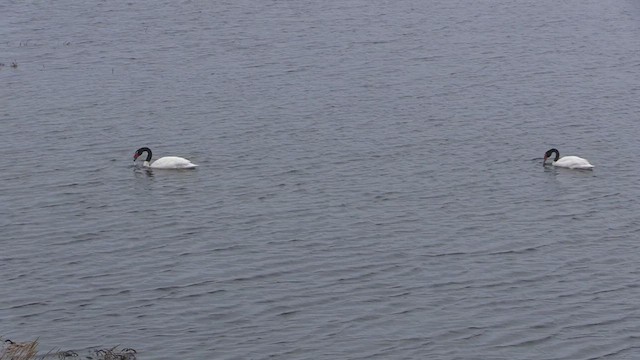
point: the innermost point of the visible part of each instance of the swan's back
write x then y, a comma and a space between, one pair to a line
573, 162
172, 162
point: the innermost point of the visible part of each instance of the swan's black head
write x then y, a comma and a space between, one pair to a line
548, 154
140, 151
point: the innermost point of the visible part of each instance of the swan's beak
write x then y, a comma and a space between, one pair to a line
544, 160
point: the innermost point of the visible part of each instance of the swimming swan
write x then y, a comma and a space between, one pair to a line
570, 162
167, 162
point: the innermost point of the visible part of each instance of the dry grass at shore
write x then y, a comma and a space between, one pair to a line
11, 350
19, 351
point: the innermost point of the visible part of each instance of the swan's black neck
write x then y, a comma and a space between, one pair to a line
144, 149
551, 151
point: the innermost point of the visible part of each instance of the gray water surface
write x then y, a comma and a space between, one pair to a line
370, 183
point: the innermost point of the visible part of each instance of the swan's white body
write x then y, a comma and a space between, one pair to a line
167, 162
572, 162
170, 162
569, 162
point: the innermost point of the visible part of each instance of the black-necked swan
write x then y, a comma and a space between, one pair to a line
167, 162
570, 162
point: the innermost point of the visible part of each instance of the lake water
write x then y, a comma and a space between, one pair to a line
370, 183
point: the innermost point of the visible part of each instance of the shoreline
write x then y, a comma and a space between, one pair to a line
12, 350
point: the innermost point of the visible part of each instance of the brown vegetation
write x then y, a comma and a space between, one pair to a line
11, 350
19, 351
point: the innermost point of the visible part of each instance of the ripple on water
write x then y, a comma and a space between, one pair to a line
365, 191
